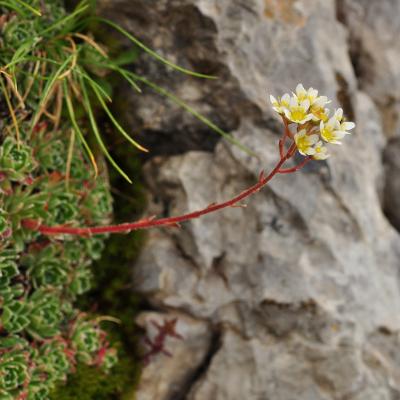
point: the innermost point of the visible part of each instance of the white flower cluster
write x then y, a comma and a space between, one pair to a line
306, 109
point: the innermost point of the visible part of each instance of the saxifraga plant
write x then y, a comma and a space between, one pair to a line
314, 126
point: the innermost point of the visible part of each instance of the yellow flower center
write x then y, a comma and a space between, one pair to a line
297, 114
303, 143
319, 113
302, 96
328, 135
284, 103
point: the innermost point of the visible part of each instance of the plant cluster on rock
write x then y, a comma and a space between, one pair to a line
45, 174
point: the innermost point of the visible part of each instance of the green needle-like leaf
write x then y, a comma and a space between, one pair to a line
192, 111
93, 124
48, 88
75, 125
115, 122
29, 7
151, 52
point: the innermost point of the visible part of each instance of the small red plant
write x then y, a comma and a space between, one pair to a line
157, 345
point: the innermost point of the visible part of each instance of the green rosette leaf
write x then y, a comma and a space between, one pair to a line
16, 160
45, 314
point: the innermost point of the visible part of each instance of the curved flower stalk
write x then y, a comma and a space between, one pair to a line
313, 128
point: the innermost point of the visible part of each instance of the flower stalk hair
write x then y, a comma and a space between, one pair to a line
308, 127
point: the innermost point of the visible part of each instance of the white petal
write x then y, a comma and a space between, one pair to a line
305, 104
333, 123
321, 101
313, 139
272, 99
293, 102
301, 132
346, 126
312, 95
285, 98
300, 89
320, 156
336, 141
308, 118
340, 134
339, 114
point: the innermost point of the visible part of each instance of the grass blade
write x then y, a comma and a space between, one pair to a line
93, 82
88, 107
192, 111
48, 89
78, 10
115, 122
78, 131
11, 109
29, 7
124, 73
151, 52
14, 7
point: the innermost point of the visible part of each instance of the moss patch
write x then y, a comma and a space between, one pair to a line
89, 383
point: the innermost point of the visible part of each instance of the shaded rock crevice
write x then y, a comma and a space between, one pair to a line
214, 347
391, 189
160, 124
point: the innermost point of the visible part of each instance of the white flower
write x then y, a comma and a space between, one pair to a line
321, 152
308, 111
343, 125
338, 114
346, 126
298, 111
305, 142
303, 94
318, 110
330, 131
281, 104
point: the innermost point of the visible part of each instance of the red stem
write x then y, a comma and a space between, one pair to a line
169, 221
281, 144
296, 167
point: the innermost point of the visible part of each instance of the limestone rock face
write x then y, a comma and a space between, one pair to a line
296, 296
391, 198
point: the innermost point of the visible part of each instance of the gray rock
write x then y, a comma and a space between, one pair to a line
302, 286
391, 198
374, 50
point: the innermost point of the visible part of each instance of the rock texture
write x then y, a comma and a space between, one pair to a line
298, 295
391, 198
